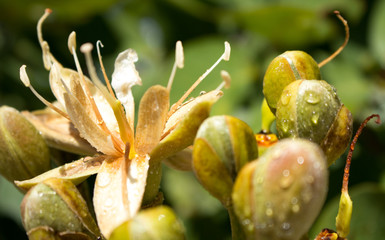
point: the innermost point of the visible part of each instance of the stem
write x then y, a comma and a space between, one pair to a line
236, 227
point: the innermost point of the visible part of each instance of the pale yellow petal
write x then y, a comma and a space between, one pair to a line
87, 128
151, 118
118, 191
59, 132
76, 171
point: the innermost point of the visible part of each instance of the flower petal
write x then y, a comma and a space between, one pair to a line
118, 191
183, 125
87, 128
124, 78
152, 117
59, 132
76, 171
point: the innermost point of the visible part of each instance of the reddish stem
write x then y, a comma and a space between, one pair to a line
342, 46
352, 145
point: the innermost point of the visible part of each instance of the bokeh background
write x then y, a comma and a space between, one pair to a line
258, 30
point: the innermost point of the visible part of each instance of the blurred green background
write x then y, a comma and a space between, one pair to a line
258, 30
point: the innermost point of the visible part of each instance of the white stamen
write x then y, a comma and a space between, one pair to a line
72, 41
179, 62
226, 55
179, 55
24, 77
226, 80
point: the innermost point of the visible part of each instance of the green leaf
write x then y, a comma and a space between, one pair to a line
377, 32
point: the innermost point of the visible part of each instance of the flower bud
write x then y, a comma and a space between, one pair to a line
311, 109
222, 146
23, 152
158, 223
58, 205
279, 195
284, 69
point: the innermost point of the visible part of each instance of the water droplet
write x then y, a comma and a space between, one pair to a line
300, 160
269, 212
103, 179
286, 182
314, 118
286, 172
312, 98
294, 200
286, 226
285, 125
295, 208
160, 217
285, 98
260, 180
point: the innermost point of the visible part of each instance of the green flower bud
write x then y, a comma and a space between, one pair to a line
278, 196
283, 70
23, 152
58, 205
311, 109
222, 146
158, 223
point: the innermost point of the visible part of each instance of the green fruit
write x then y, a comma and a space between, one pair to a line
23, 151
311, 109
283, 70
223, 145
278, 196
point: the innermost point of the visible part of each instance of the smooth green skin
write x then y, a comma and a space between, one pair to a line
279, 196
311, 109
283, 70
224, 144
158, 223
23, 151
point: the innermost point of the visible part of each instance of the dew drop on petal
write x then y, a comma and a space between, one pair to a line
103, 179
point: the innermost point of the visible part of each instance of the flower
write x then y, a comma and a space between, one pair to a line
98, 120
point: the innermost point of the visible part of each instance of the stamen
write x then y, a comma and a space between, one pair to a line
25, 79
40, 24
125, 131
99, 43
179, 62
225, 56
72, 41
48, 58
226, 80
321, 64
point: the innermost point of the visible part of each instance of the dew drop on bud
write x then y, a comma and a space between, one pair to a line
285, 98
285, 125
312, 98
314, 118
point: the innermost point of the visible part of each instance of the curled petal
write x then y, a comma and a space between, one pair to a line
124, 78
